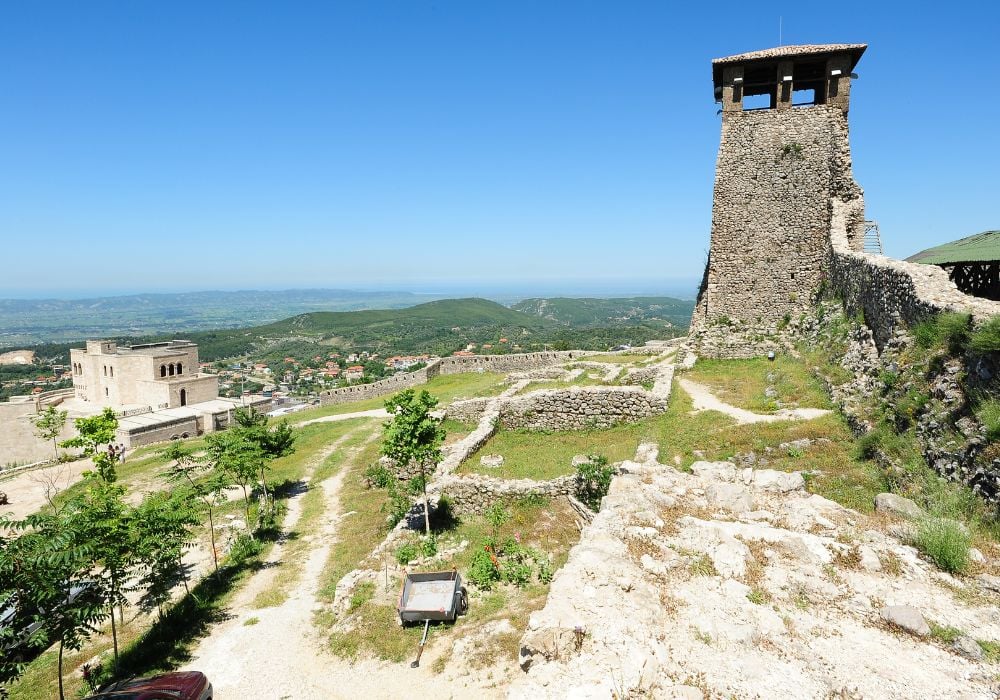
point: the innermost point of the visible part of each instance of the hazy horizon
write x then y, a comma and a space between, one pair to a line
678, 288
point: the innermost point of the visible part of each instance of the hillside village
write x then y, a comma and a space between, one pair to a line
796, 498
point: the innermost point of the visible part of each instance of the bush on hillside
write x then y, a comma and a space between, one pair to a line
945, 542
593, 479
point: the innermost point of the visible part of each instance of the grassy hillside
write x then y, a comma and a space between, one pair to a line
593, 313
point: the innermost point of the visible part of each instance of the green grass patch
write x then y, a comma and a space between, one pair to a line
988, 413
533, 455
944, 633
743, 383
986, 338
946, 330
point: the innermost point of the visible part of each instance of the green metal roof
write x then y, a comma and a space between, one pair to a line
983, 247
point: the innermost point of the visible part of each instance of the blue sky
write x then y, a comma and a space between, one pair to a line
442, 145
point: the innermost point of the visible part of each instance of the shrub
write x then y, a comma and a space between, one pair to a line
379, 476
482, 571
244, 547
988, 414
406, 553
987, 337
945, 542
429, 546
398, 504
593, 479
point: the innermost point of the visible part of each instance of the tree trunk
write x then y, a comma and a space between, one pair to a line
211, 529
62, 695
114, 639
427, 510
246, 505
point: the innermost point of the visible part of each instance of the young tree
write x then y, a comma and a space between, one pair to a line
242, 461
205, 485
95, 435
165, 524
414, 435
274, 441
110, 527
48, 424
45, 570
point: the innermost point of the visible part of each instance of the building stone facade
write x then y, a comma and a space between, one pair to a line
157, 375
778, 170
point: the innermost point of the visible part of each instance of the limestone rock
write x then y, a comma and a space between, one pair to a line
714, 471
780, 482
897, 505
968, 647
906, 617
731, 497
491, 461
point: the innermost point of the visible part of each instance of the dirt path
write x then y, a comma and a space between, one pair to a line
373, 413
278, 653
704, 400
27, 490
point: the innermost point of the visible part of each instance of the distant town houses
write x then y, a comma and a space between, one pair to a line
354, 372
404, 362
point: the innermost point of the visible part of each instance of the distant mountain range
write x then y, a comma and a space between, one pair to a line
32, 321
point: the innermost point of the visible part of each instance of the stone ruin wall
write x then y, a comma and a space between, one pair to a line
446, 365
475, 493
776, 174
893, 293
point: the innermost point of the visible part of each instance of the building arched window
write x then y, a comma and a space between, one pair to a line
178, 368
105, 370
184, 397
163, 370
105, 391
112, 370
170, 369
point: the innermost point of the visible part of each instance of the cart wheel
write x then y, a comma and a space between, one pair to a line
463, 601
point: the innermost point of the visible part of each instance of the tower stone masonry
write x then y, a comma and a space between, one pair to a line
783, 173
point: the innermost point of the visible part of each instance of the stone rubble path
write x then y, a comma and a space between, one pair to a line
704, 400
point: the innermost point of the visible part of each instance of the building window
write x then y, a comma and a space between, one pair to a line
163, 370
184, 397
112, 371
105, 391
170, 369
178, 368
105, 370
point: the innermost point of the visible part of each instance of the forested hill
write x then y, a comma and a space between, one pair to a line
437, 327
630, 311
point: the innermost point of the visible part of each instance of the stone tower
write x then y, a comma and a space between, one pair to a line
783, 174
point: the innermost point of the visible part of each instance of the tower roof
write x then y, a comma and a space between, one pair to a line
787, 52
